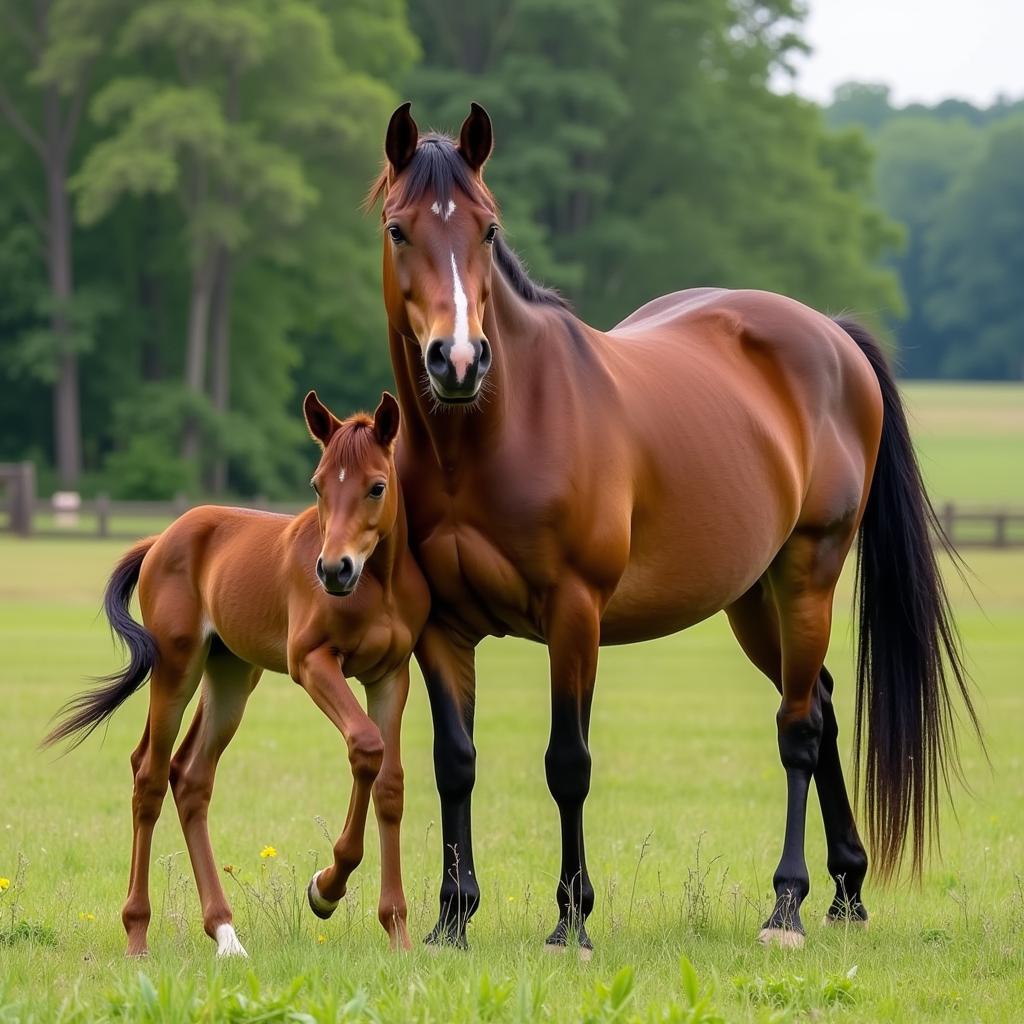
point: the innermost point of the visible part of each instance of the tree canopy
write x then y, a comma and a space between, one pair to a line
221, 264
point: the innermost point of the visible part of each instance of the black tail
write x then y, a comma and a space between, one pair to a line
80, 716
909, 649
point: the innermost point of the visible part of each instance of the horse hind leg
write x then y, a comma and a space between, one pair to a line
227, 685
754, 621
174, 680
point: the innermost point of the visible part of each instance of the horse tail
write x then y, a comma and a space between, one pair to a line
909, 651
85, 711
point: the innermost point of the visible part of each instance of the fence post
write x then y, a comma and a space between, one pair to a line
103, 514
24, 499
949, 521
1000, 519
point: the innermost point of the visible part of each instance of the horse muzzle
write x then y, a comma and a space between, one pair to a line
457, 369
338, 578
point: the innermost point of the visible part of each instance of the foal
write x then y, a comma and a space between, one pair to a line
226, 593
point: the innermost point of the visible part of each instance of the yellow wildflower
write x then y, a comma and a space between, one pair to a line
321, 939
5, 883
86, 916
229, 869
268, 851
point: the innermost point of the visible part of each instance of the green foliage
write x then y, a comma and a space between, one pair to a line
948, 173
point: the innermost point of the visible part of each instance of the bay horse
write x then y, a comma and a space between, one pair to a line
325, 596
717, 450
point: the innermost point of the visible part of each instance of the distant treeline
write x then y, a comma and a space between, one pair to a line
953, 176
182, 251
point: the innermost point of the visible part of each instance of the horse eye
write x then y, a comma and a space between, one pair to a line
316, 490
396, 233
492, 231
377, 490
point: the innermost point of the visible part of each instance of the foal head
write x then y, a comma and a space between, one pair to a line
356, 487
440, 227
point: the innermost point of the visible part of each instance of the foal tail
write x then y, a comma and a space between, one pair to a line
909, 651
84, 712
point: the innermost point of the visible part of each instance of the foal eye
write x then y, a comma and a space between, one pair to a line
492, 232
396, 233
316, 490
377, 490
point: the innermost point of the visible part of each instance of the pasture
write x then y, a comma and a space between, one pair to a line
684, 821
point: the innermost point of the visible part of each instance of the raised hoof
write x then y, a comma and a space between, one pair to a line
321, 907
860, 923
227, 942
784, 938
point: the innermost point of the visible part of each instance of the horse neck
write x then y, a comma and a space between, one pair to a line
514, 328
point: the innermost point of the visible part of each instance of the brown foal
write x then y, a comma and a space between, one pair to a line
337, 595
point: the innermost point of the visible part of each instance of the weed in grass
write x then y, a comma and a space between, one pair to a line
798, 993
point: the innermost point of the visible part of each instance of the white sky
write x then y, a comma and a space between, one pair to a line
925, 49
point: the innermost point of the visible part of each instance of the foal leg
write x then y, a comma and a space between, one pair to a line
174, 681
755, 623
320, 675
449, 671
229, 681
573, 638
802, 580
385, 703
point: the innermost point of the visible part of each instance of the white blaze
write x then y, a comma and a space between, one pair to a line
443, 214
462, 349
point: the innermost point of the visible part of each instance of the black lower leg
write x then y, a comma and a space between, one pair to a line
567, 764
455, 771
847, 859
799, 741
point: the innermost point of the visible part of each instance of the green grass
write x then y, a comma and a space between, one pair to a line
971, 441
684, 829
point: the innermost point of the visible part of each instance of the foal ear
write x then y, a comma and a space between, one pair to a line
322, 423
386, 420
476, 139
400, 143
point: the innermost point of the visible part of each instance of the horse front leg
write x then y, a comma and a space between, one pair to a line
449, 671
574, 629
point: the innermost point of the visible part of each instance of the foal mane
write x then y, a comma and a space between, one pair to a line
352, 441
437, 169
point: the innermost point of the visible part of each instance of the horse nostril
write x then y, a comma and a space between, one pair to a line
484, 362
437, 363
346, 570
320, 574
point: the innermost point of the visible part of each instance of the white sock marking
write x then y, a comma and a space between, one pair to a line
227, 942
326, 906
462, 354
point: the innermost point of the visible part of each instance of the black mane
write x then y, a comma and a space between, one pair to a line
437, 169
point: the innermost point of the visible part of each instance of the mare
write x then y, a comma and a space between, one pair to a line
325, 596
716, 451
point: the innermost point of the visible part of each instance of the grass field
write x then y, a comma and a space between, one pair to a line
684, 828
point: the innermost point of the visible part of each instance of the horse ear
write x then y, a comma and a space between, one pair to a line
321, 422
476, 139
386, 420
400, 143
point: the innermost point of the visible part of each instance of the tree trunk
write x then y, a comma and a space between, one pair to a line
195, 351
221, 383
67, 425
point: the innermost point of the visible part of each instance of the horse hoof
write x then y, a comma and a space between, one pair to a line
321, 907
586, 953
227, 942
784, 938
860, 923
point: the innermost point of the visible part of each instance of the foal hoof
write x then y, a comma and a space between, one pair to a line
784, 938
586, 952
321, 907
564, 937
227, 942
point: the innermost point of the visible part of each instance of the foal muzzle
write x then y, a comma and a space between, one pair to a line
338, 578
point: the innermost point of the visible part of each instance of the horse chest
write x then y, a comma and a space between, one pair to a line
478, 583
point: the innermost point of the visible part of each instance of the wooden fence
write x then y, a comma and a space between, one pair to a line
967, 527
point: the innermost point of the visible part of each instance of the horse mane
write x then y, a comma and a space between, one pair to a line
437, 169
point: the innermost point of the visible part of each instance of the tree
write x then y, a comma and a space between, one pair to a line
47, 60
238, 103
975, 262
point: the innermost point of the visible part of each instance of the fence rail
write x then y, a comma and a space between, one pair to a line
966, 526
